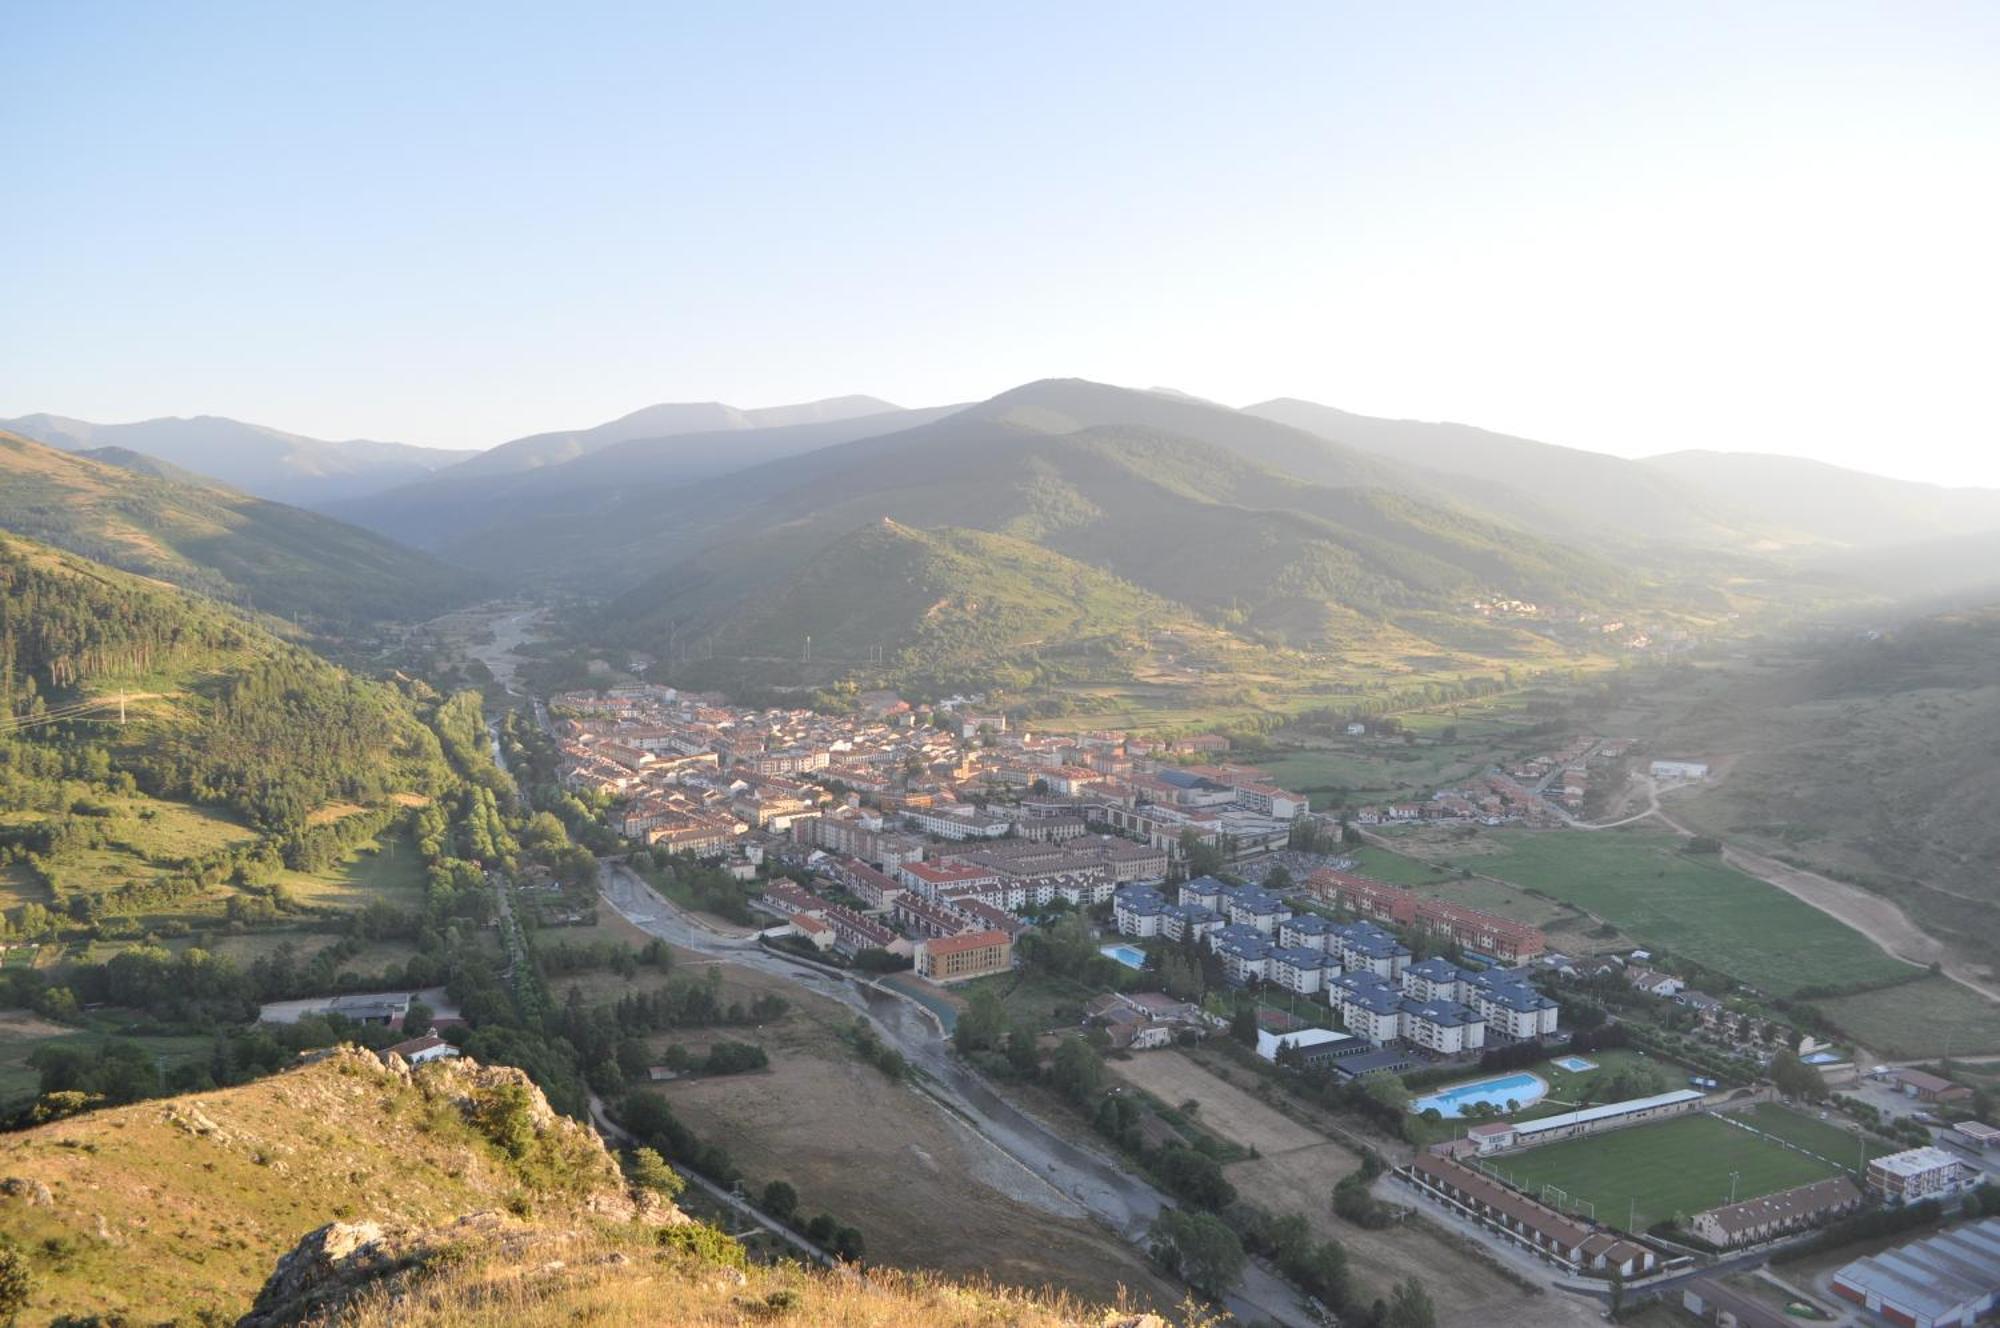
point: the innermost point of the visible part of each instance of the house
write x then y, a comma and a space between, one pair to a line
419, 1050
1772, 1215
968, 955
815, 929
1650, 983
1927, 1087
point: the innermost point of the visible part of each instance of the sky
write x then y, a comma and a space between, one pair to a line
1633, 228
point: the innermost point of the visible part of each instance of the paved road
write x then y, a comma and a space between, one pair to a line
1114, 1196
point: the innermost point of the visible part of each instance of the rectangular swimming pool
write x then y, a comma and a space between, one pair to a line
1574, 1064
1129, 955
1523, 1090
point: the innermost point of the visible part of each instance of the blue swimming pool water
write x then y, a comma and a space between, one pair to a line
1823, 1058
1129, 955
1523, 1089
1574, 1064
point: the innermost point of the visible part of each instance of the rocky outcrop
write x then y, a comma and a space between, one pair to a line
343, 1259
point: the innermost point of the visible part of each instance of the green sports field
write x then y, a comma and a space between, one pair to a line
1651, 1173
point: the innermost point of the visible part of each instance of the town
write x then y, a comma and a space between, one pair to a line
1622, 1130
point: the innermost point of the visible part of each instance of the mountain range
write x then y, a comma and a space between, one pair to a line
270, 463
1288, 523
145, 516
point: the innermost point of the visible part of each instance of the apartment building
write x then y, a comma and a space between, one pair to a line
1917, 1174
967, 955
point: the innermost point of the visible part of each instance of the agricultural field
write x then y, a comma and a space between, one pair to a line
1652, 1173
925, 1190
1690, 905
1933, 1016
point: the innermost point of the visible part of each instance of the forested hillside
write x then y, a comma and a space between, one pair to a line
218, 541
228, 714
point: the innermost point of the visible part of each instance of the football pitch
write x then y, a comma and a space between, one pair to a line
1633, 1178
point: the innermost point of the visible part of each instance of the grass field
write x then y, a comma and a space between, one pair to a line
1687, 904
1651, 1173
22, 1033
1930, 1017
390, 870
1824, 1137
142, 838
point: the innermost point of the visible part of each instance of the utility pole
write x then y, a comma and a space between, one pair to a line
1732, 1185
121, 709
809, 648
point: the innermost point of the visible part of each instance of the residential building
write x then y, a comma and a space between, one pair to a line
1445, 1028
419, 1050
1773, 1215
1437, 980
1300, 969
1917, 1174
969, 955
1473, 930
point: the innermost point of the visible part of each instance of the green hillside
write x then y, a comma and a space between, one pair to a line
219, 541
1868, 759
1280, 562
940, 604
217, 710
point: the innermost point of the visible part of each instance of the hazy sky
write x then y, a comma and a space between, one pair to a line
1622, 226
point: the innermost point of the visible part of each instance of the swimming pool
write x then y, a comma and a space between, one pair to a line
1129, 955
1574, 1064
1523, 1090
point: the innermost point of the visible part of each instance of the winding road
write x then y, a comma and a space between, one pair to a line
1115, 1197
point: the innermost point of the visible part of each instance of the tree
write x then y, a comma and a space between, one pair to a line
1024, 1055
1243, 1025
821, 1229
650, 1171
1278, 880
1200, 1247
418, 1019
1795, 1078
1077, 1071
982, 1024
847, 1244
1203, 859
780, 1200
17, 1281
1411, 1307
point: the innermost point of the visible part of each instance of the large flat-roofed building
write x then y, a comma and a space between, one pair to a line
1916, 1174
970, 954
1943, 1281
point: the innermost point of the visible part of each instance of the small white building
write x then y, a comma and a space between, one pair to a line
418, 1051
1680, 772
